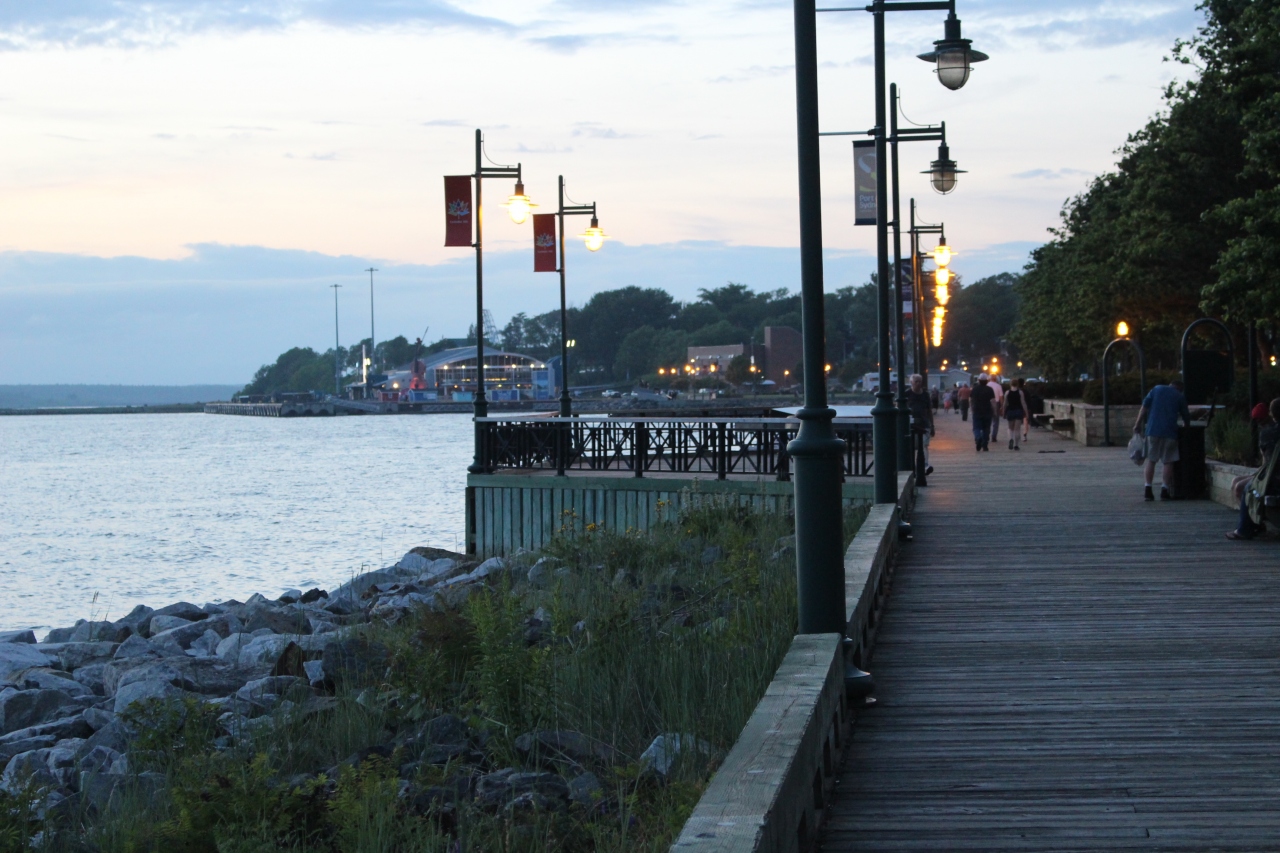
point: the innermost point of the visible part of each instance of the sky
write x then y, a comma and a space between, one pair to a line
184, 179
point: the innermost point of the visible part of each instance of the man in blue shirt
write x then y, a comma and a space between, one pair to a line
1161, 408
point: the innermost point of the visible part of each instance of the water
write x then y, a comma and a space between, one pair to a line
102, 512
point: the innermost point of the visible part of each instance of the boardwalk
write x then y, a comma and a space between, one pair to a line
1064, 667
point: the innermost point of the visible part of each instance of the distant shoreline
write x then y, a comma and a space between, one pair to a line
165, 409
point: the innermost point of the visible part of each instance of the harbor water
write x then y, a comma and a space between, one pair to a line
99, 513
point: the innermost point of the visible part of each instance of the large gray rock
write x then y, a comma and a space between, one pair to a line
179, 638
60, 635
163, 622
137, 620
270, 651
20, 709
205, 676
279, 619
412, 562
563, 746
73, 655
206, 645
28, 769
61, 761
668, 749
182, 609
67, 727
47, 679
144, 691
99, 632
586, 790
16, 658
90, 675
27, 636
137, 647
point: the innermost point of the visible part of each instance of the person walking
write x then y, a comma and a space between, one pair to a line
998, 389
1026, 424
1160, 410
934, 397
1014, 409
982, 400
920, 404
962, 396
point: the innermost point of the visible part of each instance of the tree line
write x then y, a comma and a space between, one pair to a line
1188, 223
628, 333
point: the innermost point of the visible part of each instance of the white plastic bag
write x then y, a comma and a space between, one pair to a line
1138, 449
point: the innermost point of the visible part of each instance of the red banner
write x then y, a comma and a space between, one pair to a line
457, 210
544, 243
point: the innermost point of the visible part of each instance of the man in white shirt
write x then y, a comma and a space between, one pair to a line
995, 422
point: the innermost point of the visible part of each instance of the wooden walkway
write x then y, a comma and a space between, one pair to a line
1062, 666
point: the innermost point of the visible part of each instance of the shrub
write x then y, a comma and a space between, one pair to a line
1230, 438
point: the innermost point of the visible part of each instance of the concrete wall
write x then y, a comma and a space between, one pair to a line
1220, 477
1086, 421
506, 513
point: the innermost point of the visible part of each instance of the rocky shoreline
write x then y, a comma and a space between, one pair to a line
73, 706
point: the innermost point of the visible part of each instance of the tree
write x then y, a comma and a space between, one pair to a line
609, 316
296, 370
981, 316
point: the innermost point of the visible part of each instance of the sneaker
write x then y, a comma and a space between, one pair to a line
1164, 494
1011, 444
1015, 447
1147, 494
928, 470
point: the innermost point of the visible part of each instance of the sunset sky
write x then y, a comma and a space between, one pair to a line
183, 180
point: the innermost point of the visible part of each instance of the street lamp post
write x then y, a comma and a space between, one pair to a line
953, 57
595, 238
373, 340
1122, 337
943, 172
518, 207
337, 363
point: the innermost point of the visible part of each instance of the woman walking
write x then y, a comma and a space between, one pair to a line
1014, 409
920, 404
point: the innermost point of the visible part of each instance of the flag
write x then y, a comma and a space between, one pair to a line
457, 210
864, 182
544, 243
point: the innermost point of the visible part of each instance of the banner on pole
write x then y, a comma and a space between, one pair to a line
544, 242
864, 182
905, 276
457, 210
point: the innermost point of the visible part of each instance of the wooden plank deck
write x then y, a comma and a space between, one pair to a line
1062, 666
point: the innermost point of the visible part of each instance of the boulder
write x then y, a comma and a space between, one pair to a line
20, 709
289, 596
113, 735
143, 691
27, 636
178, 639
98, 718
164, 622
183, 610
27, 769
315, 672
273, 651
98, 759
16, 658
661, 756
563, 746
73, 655
90, 675
445, 729
497, 790
205, 676
137, 647
313, 595
137, 620
42, 678
412, 562
94, 632
279, 620
67, 727
586, 790
61, 761
206, 645
354, 661
60, 635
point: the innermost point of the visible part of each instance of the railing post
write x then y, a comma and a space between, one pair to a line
641, 442
562, 447
722, 450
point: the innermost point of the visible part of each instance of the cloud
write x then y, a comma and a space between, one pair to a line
594, 131
542, 149
1073, 24
1052, 174
445, 122
132, 23
755, 72
573, 42
324, 156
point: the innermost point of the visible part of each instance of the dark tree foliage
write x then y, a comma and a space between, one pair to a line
299, 369
1187, 222
980, 316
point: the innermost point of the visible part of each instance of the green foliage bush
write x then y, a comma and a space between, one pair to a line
1230, 438
1125, 389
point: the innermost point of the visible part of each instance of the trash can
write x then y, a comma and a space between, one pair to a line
1190, 474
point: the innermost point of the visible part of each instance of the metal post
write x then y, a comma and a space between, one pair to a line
337, 363
815, 449
1253, 385
373, 340
904, 415
480, 406
566, 405
884, 415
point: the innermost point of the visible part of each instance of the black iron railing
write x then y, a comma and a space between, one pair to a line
719, 446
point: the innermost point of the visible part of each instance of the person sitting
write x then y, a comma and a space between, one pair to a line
1253, 490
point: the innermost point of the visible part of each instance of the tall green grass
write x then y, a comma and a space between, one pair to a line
677, 629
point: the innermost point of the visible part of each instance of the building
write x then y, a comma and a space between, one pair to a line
775, 360
451, 375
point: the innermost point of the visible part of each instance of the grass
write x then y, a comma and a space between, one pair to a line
1230, 438
677, 629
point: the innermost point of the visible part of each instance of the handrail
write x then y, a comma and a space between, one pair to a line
719, 446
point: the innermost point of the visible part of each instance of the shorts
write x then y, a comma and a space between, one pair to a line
1014, 415
1161, 449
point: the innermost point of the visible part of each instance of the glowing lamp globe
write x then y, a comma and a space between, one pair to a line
518, 205
942, 276
943, 254
1122, 329
594, 236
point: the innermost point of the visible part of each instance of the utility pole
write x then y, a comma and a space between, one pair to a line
337, 358
373, 340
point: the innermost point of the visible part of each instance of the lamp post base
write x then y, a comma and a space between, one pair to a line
815, 457
884, 424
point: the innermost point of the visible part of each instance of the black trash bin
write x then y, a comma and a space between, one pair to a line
1190, 473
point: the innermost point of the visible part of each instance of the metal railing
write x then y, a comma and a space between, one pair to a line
719, 446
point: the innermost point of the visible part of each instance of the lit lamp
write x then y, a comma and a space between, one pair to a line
939, 314
518, 205
594, 236
953, 56
1122, 329
942, 255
